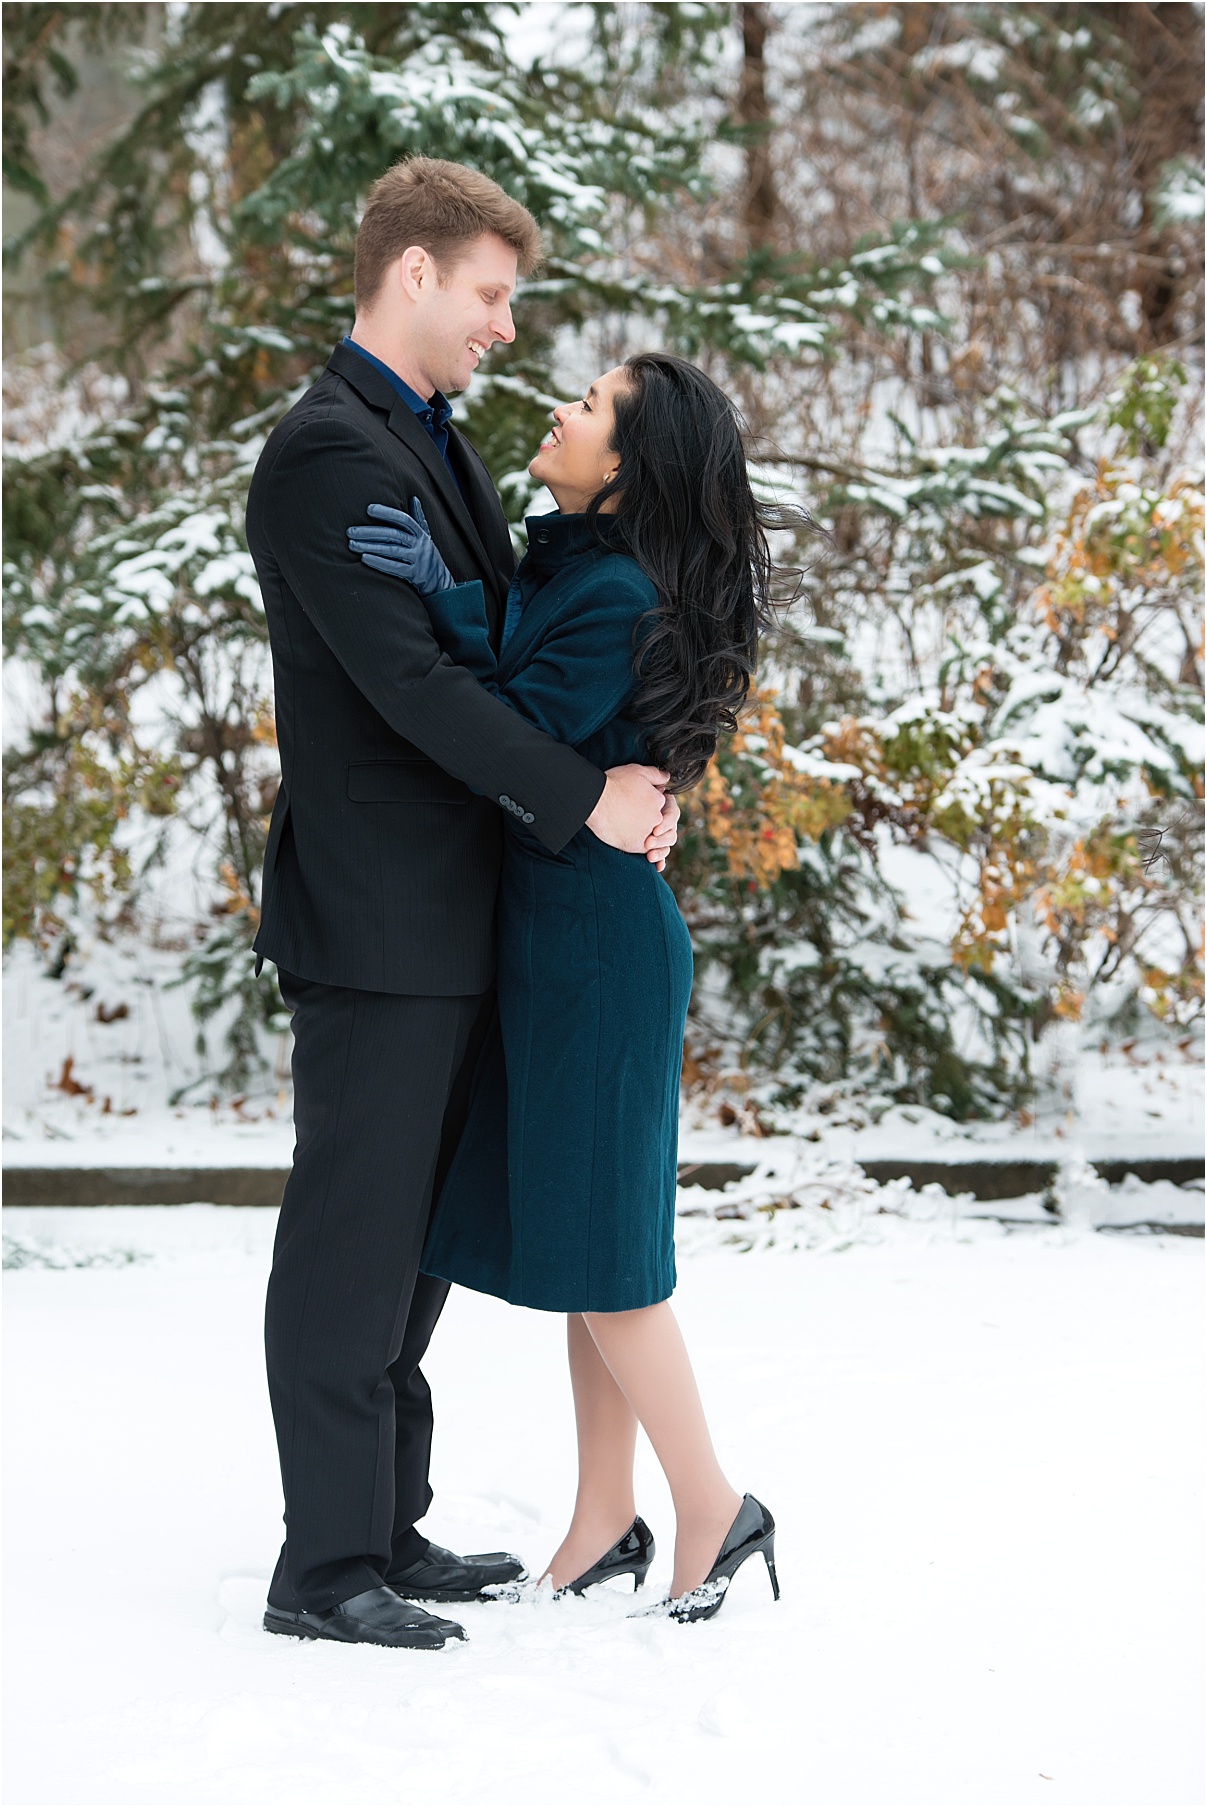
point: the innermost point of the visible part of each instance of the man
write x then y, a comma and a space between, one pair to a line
379, 890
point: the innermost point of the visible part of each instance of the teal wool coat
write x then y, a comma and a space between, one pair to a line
562, 1193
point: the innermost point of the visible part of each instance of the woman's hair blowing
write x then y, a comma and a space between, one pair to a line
686, 513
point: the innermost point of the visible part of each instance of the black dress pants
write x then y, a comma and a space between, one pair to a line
381, 1092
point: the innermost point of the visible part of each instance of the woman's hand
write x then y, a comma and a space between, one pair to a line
659, 844
403, 549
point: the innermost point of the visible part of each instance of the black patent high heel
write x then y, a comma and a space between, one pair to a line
752, 1533
631, 1554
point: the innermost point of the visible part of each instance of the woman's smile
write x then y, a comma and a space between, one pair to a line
581, 435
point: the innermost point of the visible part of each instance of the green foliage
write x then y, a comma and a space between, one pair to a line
224, 985
1143, 409
64, 803
40, 49
996, 667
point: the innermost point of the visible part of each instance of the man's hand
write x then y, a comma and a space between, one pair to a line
629, 815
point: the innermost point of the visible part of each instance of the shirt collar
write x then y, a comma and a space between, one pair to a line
435, 414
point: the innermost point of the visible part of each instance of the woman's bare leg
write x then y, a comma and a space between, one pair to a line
646, 1356
607, 1438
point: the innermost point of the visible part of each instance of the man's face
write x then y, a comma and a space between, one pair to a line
458, 319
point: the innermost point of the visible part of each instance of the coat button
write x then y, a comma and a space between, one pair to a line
542, 539
528, 816
506, 802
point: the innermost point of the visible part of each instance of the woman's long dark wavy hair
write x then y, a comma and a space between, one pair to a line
686, 513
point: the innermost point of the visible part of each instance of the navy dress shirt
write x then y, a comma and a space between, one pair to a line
433, 416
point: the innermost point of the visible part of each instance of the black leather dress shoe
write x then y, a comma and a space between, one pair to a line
442, 1576
377, 1616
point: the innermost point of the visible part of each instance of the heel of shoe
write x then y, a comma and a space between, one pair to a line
631, 1554
769, 1559
287, 1625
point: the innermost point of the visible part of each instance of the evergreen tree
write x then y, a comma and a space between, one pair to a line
994, 676
1035, 438
215, 235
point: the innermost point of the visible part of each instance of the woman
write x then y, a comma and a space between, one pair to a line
631, 633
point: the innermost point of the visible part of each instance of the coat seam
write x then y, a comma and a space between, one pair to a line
595, 1097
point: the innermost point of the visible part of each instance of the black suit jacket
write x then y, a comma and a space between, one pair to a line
382, 864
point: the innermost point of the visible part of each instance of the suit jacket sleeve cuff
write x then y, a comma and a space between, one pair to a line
546, 785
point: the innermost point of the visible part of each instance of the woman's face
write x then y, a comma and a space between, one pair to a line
575, 461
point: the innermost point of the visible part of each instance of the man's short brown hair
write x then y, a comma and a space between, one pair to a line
442, 206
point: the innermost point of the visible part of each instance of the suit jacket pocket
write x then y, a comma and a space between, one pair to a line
403, 781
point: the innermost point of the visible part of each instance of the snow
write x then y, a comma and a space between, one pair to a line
1178, 197
984, 62
24, 700
1143, 1101
974, 1443
445, 87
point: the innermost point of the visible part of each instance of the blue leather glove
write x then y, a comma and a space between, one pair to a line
403, 549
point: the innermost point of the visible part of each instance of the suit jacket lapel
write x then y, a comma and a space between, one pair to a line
486, 511
374, 388
404, 426
483, 501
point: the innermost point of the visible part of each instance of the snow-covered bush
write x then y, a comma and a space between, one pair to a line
964, 801
1038, 774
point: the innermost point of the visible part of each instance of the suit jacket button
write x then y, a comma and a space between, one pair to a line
506, 802
528, 816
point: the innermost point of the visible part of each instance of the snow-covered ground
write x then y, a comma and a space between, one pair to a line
981, 1447
102, 1066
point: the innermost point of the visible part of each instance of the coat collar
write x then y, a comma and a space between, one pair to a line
380, 393
555, 539
556, 544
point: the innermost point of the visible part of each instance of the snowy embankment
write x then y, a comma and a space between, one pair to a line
101, 1071
977, 1444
